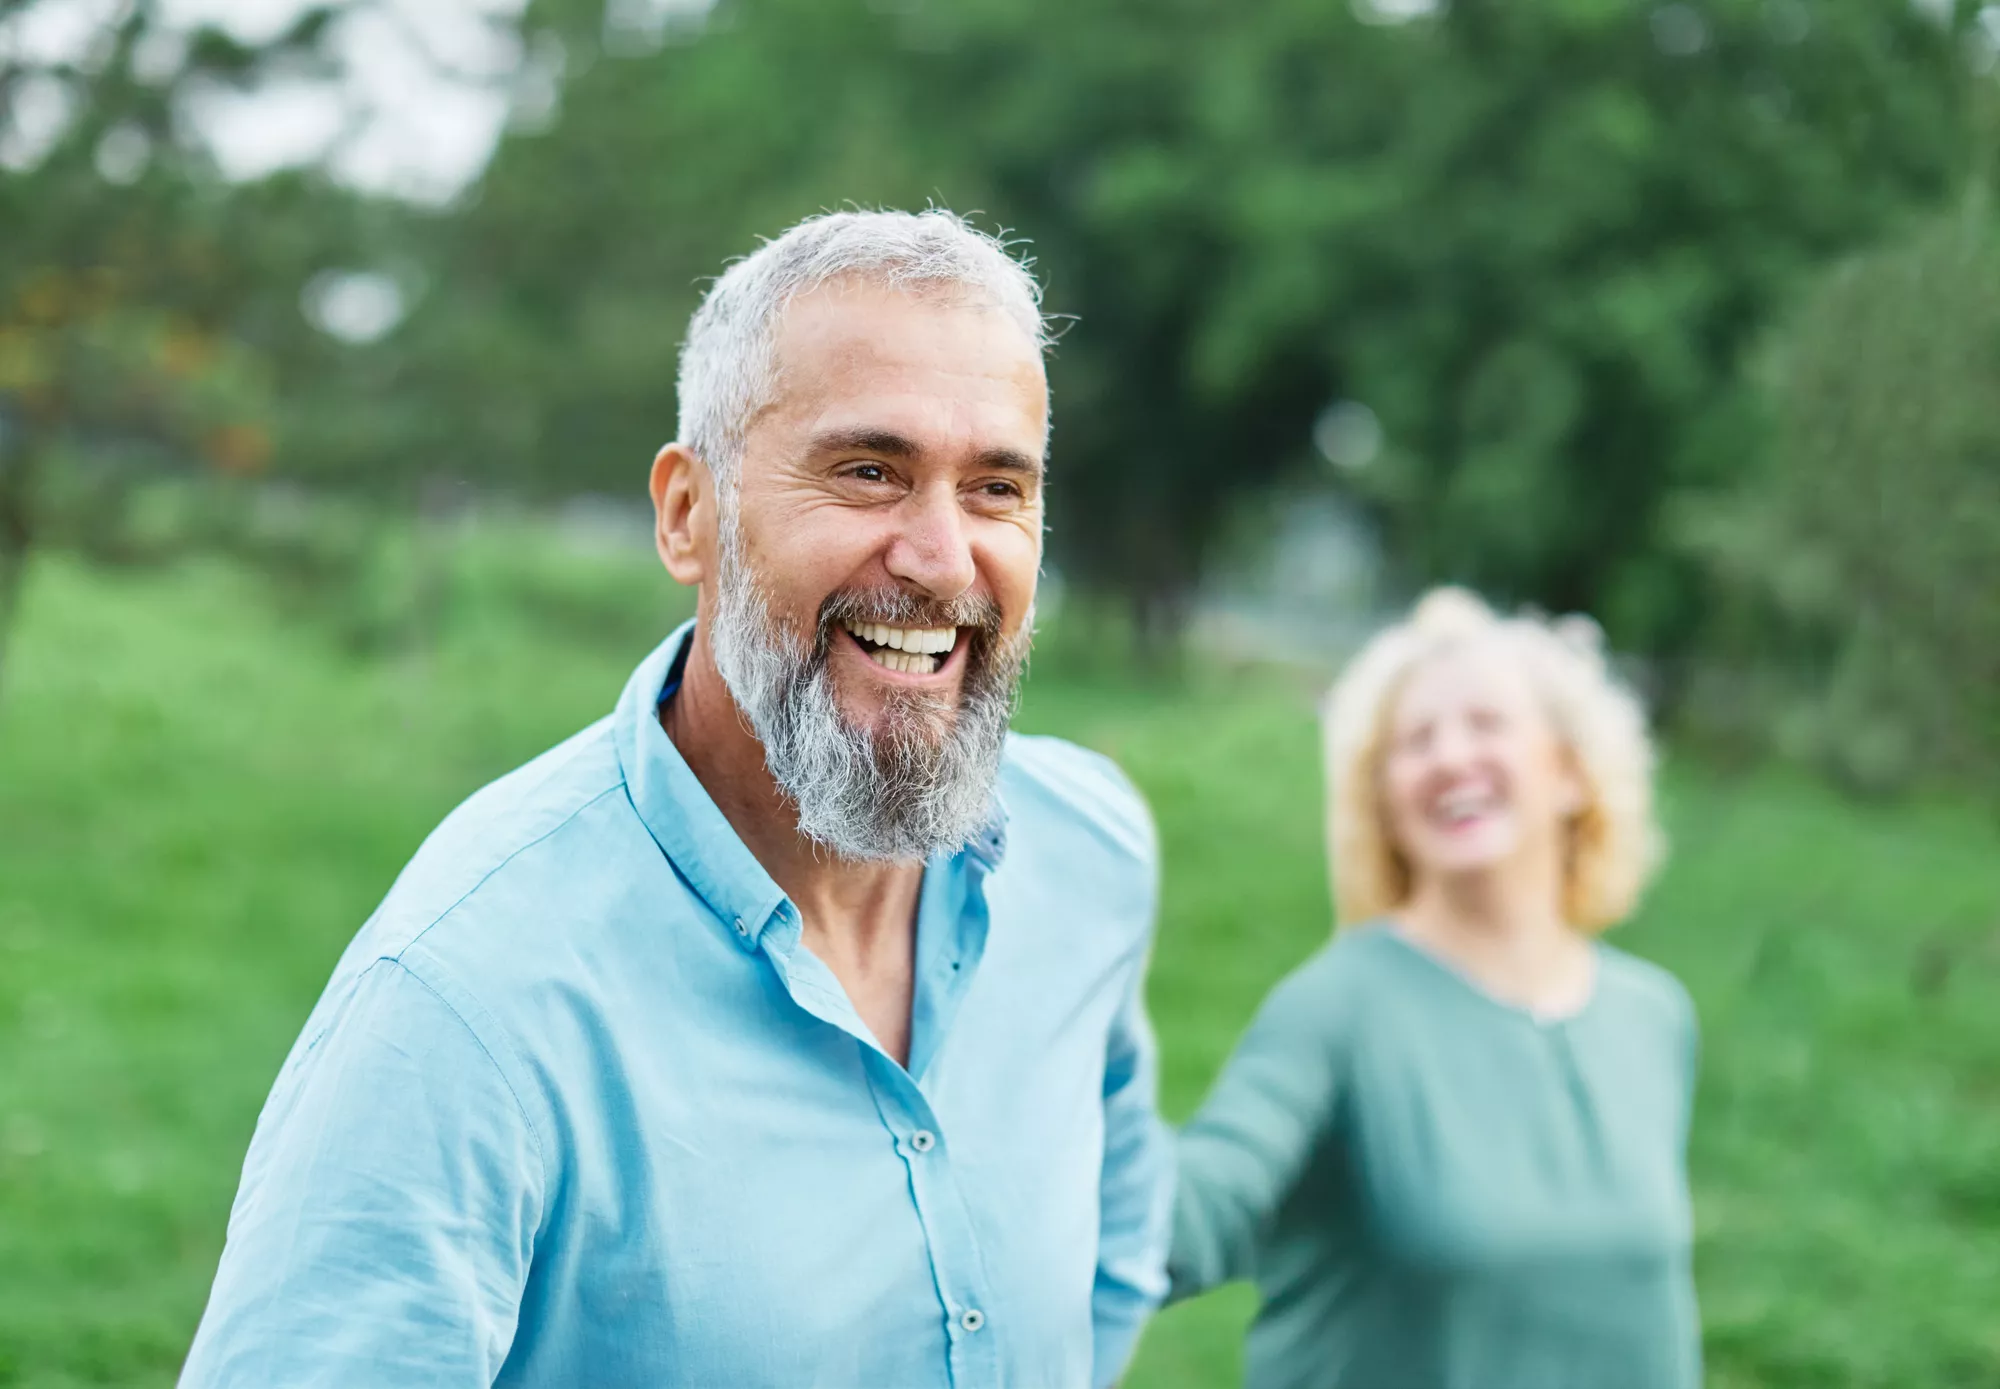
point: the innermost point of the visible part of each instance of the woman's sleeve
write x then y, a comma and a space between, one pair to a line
1691, 1044
1245, 1149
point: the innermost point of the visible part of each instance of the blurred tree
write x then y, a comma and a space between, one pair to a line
1865, 560
148, 309
542, 355
1529, 241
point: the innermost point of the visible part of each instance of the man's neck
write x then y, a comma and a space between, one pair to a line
858, 918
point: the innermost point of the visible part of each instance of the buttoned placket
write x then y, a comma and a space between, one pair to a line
946, 962
951, 940
957, 1266
1558, 1036
762, 921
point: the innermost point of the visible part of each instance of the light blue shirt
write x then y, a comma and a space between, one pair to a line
578, 1109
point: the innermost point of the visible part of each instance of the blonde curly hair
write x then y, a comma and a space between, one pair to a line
1614, 841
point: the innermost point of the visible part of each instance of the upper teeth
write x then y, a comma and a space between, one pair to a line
1462, 803
923, 640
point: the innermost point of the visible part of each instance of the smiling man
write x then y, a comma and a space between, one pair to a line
784, 1027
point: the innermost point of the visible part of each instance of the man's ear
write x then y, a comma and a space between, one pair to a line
683, 514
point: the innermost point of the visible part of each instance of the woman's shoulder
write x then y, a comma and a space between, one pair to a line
1356, 965
1366, 951
1638, 983
1316, 1015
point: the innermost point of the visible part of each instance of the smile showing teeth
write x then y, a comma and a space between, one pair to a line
1457, 807
907, 650
923, 640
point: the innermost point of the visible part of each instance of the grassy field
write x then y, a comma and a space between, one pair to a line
202, 796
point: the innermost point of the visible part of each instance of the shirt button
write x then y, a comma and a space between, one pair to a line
971, 1319
741, 929
923, 1140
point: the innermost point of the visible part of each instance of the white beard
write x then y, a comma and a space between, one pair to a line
918, 784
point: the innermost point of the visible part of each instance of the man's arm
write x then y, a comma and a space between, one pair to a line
387, 1217
1136, 1196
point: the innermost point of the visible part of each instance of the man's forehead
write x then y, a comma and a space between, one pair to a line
854, 359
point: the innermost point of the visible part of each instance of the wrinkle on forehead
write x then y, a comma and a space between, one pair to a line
860, 328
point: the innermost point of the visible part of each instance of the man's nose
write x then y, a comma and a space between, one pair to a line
931, 549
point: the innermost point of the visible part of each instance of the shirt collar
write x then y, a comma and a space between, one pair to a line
677, 810
989, 845
692, 831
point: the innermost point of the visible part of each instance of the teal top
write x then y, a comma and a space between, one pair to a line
1437, 1190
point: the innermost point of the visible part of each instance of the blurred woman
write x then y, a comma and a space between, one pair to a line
1451, 1148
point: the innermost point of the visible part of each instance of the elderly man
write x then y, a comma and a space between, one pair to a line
784, 1027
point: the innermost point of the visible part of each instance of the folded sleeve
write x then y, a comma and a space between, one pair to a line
386, 1222
1244, 1150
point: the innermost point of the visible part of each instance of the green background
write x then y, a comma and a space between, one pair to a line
202, 794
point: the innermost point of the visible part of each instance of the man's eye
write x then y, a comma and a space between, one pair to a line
1000, 489
869, 472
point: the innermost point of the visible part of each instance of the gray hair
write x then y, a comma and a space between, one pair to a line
728, 369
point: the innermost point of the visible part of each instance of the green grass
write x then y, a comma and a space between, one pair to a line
202, 796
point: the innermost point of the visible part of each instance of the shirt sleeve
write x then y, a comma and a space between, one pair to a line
1245, 1149
1136, 1194
386, 1221
1691, 1042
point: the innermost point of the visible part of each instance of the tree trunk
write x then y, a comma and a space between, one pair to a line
1159, 621
441, 500
16, 533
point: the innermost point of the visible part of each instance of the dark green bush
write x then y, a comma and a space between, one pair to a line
1863, 560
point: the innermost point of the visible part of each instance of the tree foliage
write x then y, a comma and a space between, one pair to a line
1865, 557
1534, 239
148, 310
1531, 239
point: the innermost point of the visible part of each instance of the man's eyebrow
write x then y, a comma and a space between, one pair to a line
889, 444
1009, 461
865, 440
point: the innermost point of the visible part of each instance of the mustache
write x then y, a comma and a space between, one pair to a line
978, 613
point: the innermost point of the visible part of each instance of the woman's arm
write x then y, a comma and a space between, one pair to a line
1243, 1152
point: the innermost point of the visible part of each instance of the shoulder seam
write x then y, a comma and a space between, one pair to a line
1110, 821
396, 959
534, 1130
513, 854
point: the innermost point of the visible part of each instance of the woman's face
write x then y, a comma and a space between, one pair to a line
1474, 777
